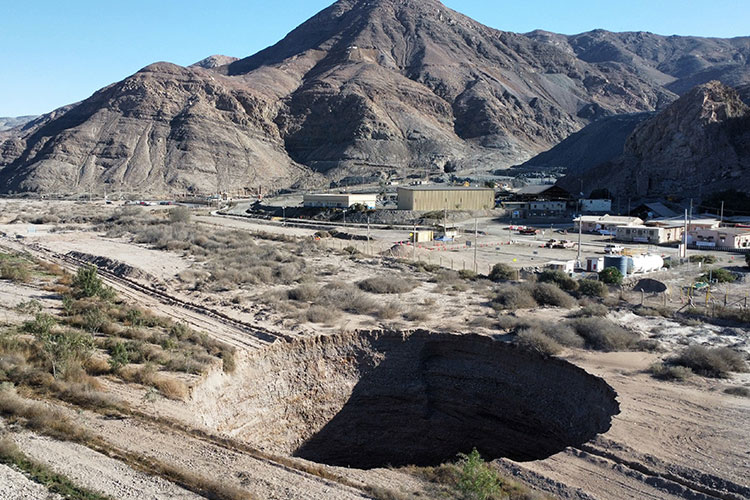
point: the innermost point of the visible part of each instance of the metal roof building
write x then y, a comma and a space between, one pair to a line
435, 197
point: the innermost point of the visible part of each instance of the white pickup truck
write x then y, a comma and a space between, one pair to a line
613, 249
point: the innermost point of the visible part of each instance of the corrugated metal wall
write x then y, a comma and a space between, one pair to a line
439, 199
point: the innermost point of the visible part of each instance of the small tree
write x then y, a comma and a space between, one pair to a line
87, 283
502, 272
611, 276
478, 481
64, 349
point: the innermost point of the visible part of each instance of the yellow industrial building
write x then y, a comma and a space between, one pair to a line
432, 197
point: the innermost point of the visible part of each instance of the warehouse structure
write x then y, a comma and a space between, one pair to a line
339, 200
431, 197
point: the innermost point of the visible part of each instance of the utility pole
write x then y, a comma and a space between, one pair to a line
283, 214
683, 254
368, 234
580, 234
721, 217
414, 243
690, 218
476, 234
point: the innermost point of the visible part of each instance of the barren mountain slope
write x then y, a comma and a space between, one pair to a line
364, 87
699, 144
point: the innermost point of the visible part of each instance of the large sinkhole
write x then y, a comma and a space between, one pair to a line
369, 400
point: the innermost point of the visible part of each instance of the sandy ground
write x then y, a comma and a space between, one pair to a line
668, 438
97, 472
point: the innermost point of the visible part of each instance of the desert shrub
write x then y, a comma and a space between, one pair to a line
482, 322
603, 335
507, 322
720, 275
179, 215
321, 314
502, 272
97, 366
561, 333
548, 294
534, 340
118, 356
17, 272
738, 390
170, 387
559, 278
467, 274
304, 293
386, 285
418, 315
513, 297
590, 310
670, 372
715, 362
705, 259
655, 311
592, 288
346, 297
87, 283
389, 310
64, 350
611, 276
738, 315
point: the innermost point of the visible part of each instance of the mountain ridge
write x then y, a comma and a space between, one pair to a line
369, 88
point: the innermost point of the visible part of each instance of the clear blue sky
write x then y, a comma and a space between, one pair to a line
55, 52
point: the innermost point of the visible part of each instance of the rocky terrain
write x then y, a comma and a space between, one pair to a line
698, 145
7, 123
364, 88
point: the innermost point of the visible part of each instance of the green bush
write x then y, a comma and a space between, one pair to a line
592, 288
87, 283
718, 274
590, 310
559, 278
502, 272
118, 356
611, 276
18, 272
477, 480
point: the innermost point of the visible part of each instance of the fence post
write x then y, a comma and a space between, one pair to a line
643, 296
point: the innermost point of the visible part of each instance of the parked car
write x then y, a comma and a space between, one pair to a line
613, 249
565, 244
528, 230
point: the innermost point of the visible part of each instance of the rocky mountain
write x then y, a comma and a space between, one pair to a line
597, 143
365, 87
7, 123
698, 145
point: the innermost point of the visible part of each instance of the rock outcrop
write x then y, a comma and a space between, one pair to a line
698, 145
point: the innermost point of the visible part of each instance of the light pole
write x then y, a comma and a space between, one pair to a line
283, 214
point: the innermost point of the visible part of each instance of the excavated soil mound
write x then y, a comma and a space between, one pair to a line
369, 400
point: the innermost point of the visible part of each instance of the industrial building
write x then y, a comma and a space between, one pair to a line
654, 235
731, 238
339, 200
609, 223
596, 206
433, 197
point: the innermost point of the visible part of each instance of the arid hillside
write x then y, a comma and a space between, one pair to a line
369, 88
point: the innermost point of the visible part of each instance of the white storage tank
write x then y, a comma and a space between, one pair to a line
647, 263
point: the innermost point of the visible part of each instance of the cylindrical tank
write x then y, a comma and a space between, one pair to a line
647, 263
619, 262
